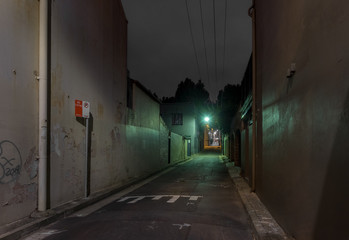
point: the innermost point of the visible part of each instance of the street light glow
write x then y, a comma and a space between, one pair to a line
207, 119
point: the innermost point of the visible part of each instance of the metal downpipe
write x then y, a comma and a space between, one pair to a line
43, 68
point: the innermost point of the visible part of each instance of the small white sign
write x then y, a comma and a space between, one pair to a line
85, 109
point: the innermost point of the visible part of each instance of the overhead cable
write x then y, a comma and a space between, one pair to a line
215, 40
203, 36
192, 38
225, 37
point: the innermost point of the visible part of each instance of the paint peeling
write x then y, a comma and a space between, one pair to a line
23, 193
31, 164
115, 137
120, 112
73, 177
55, 139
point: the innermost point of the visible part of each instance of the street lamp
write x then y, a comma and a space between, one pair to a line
207, 119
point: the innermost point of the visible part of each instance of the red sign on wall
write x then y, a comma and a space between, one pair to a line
78, 108
82, 109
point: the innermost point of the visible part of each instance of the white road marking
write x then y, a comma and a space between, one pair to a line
137, 199
194, 198
43, 234
158, 197
124, 199
173, 199
93, 208
182, 225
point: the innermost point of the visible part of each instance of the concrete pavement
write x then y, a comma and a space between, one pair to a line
195, 187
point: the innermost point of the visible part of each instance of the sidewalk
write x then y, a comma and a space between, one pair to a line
264, 224
36, 220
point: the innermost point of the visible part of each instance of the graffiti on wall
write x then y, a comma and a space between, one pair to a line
10, 162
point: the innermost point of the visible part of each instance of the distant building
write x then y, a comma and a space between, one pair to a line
180, 118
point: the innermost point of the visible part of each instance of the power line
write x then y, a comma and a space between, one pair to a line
215, 40
225, 38
203, 36
192, 38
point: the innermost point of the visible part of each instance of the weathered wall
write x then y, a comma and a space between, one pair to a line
143, 137
178, 152
147, 110
18, 104
226, 145
88, 62
302, 176
164, 132
189, 127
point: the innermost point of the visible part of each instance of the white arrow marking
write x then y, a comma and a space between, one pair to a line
182, 225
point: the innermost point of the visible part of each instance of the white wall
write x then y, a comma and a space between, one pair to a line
88, 63
19, 108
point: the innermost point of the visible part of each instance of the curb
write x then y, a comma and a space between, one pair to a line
265, 226
37, 220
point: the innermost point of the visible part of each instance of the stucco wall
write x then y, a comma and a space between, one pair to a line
302, 176
164, 132
143, 137
178, 152
18, 104
147, 110
189, 127
88, 62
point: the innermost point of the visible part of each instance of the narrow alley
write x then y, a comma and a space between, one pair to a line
191, 119
193, 200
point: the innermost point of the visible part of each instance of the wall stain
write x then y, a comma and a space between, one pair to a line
119, 113
74, 178
115, 137
31, 164
100, 110
23, 193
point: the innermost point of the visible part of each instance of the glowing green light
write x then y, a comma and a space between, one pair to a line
207, 119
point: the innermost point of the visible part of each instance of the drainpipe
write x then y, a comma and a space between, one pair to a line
252, 14
43, 66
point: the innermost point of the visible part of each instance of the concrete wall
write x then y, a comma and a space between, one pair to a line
178, 148
164, 132
226, 145
19, 108
88, 62
146, 153
302, 176
88, 43
147, 110
189, 127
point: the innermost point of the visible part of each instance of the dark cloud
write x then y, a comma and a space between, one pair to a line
160, 51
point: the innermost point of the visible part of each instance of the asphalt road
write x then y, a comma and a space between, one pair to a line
195, 200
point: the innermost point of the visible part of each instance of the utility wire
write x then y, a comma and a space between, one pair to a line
192, 38
203, 36
225, 37
215, 40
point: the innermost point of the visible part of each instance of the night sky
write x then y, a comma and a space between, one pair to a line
160, 48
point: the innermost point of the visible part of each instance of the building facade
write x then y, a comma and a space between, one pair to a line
86, 60
181, 119
302, 123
